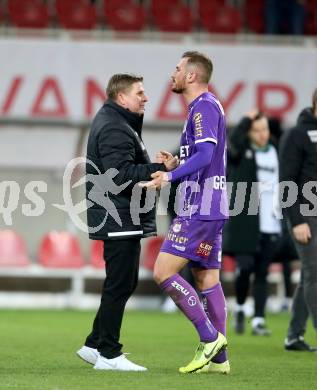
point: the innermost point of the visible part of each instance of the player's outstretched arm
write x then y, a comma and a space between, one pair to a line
197, 161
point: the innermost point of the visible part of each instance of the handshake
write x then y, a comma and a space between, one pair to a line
159, 178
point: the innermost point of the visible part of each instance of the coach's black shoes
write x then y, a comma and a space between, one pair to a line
298, 344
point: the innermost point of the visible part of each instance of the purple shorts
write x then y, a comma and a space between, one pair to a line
195, 240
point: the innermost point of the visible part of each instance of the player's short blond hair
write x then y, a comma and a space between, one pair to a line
202, 62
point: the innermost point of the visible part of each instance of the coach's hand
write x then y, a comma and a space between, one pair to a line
162, 156
302, 233
171, 162
159, 180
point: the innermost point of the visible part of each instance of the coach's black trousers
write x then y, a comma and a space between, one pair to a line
122, 267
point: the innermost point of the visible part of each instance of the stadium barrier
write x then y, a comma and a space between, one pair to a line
38, 286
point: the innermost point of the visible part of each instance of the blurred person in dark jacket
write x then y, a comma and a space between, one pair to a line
255, 235
298, 159
285, 16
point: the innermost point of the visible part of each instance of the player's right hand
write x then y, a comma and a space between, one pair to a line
159, 180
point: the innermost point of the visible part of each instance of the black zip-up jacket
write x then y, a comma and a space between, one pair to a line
115, 146
298, 162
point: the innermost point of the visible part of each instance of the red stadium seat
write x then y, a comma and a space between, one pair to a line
218, 18
12, 250
204, 5
207, 6
60, 250
151, 251
96, 254
124, 15
175, 18
311, 20
255, 16
76, 14
1, 14
28, 13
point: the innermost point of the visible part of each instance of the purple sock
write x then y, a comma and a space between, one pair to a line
186, 298
215, 307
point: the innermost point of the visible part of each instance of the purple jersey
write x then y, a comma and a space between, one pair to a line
203, 193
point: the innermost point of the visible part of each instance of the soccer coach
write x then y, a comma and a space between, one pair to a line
115, 145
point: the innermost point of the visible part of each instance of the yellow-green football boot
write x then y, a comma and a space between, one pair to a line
216, 368
204, 353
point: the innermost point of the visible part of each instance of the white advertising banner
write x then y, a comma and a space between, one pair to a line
66, 79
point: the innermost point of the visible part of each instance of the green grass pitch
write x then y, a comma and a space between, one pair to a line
37, 352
